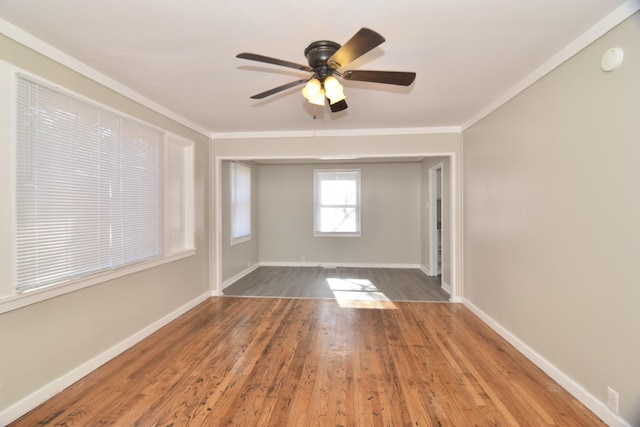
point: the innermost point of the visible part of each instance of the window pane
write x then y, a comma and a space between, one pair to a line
338, 192
240, 200
338, 220
337, 202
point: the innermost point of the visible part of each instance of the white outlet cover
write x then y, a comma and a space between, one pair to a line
612, 400
612, 59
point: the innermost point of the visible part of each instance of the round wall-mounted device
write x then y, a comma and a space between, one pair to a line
612, 59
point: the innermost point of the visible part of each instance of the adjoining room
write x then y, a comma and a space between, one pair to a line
377, 223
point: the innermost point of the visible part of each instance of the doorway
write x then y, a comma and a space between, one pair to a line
443, 185
435, 219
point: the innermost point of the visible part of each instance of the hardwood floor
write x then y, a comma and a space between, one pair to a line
395, 284
303, 362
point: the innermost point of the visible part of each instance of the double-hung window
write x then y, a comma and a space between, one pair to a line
337, 202
89, 189
240, 202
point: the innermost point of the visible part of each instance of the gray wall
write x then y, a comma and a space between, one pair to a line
44, 341
552, 218
390, 216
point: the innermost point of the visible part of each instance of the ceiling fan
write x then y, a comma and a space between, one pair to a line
325, 59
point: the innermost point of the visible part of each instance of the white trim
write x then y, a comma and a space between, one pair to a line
336, 132
187, 192
238, 240
320, 158
457, 203
212, 221
216, 212
15, 301
239, 276
23, 406
597, 407
425, 270
28, 40
624, 11
337, 265
446, 287
455, 242
433, 218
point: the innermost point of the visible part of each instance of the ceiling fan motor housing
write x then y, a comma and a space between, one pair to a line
317, 53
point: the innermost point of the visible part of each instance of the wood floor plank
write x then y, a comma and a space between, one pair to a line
294, 362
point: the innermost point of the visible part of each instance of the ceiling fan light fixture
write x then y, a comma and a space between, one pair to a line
312, 89
332, 86
337, 98
338, 106
317, 99
334, 90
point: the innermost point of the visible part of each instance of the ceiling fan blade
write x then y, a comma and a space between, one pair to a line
278, 89
362, 42
269, 60
400, 78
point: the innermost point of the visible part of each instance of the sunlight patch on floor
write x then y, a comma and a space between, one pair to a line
358, 293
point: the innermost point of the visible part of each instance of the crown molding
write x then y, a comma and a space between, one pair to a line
43, 48
623, 12
336, 132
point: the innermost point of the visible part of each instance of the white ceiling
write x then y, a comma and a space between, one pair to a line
181, 54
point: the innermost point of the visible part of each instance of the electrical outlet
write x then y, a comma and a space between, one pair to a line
302, 259
612, 400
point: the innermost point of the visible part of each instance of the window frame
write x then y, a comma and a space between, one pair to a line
234, 239
317, 206
10, 297
89, 189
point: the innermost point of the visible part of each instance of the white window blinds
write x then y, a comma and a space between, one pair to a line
240, 202
88, 189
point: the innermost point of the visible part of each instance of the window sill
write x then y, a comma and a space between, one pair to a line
23, 299
316, 234
239, 240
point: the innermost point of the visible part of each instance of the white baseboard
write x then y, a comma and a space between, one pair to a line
426, 270
587, 399
338, 264
446, 287
23, 406
239, 276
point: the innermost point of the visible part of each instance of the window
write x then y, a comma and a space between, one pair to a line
240, 202
90, 189
337, 202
